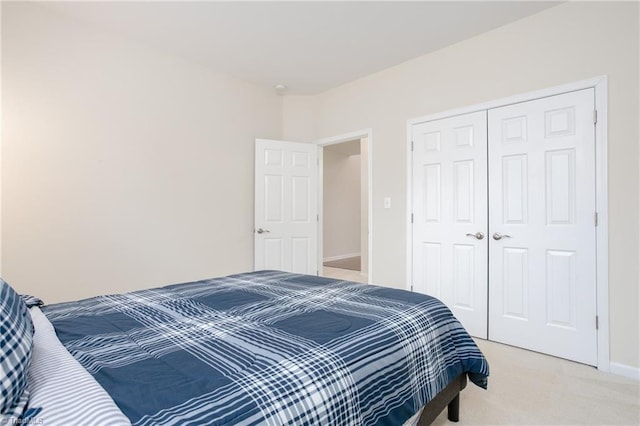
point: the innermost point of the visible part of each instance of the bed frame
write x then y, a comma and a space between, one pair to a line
449, 397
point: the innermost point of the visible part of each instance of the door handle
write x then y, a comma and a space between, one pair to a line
477, 235
498, 236
261, 231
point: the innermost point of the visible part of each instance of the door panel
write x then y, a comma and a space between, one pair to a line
286, 206
542, 284
514, 271
450, 207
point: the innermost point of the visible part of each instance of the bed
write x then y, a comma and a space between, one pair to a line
264, 347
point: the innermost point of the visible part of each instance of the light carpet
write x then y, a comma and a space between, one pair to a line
528, 388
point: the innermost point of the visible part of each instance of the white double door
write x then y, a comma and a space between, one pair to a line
503, 228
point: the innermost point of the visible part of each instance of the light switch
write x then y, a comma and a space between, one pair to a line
387, 202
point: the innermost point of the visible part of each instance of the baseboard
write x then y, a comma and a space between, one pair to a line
340, 257
625, 371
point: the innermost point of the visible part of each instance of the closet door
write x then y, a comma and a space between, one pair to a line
450, 215
542, 276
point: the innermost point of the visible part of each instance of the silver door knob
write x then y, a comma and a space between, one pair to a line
498, 236
477, 235
261, 231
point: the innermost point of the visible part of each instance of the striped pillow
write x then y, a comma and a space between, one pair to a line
16, 341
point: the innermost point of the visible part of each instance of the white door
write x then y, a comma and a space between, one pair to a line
286, 206
542, 255
450, 215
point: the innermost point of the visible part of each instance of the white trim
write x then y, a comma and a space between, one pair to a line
409, 259
625, 371
600, 86
515, 99
340, 257
602, 231
346, 137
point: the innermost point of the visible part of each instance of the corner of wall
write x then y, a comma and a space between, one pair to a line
299, 118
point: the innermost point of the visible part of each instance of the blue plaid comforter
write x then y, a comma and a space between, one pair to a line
268, 348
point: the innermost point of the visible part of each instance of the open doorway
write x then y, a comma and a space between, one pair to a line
345, 208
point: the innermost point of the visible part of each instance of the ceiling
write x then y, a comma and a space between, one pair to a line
308, 46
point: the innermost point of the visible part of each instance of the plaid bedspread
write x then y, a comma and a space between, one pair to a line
268, 348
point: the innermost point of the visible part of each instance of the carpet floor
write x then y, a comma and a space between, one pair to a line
528, 388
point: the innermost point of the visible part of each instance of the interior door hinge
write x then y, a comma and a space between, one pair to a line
595, 116
411, 287
317, 217
411, 217
412, 146
595, 219
597, 323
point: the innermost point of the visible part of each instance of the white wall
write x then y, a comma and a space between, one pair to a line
300, 114
570, 42
341, 204
123, 167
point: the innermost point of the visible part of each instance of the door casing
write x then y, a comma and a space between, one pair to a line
346, 137
599, 84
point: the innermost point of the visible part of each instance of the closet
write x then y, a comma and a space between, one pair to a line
504, 222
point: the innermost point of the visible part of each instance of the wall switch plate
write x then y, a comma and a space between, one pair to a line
387, 202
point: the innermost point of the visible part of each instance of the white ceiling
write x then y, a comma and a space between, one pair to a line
308, 46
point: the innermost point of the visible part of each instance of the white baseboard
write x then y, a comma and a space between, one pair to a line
625, 371
340, 257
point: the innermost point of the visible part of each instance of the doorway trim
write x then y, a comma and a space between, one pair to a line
600, 85
333, 140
